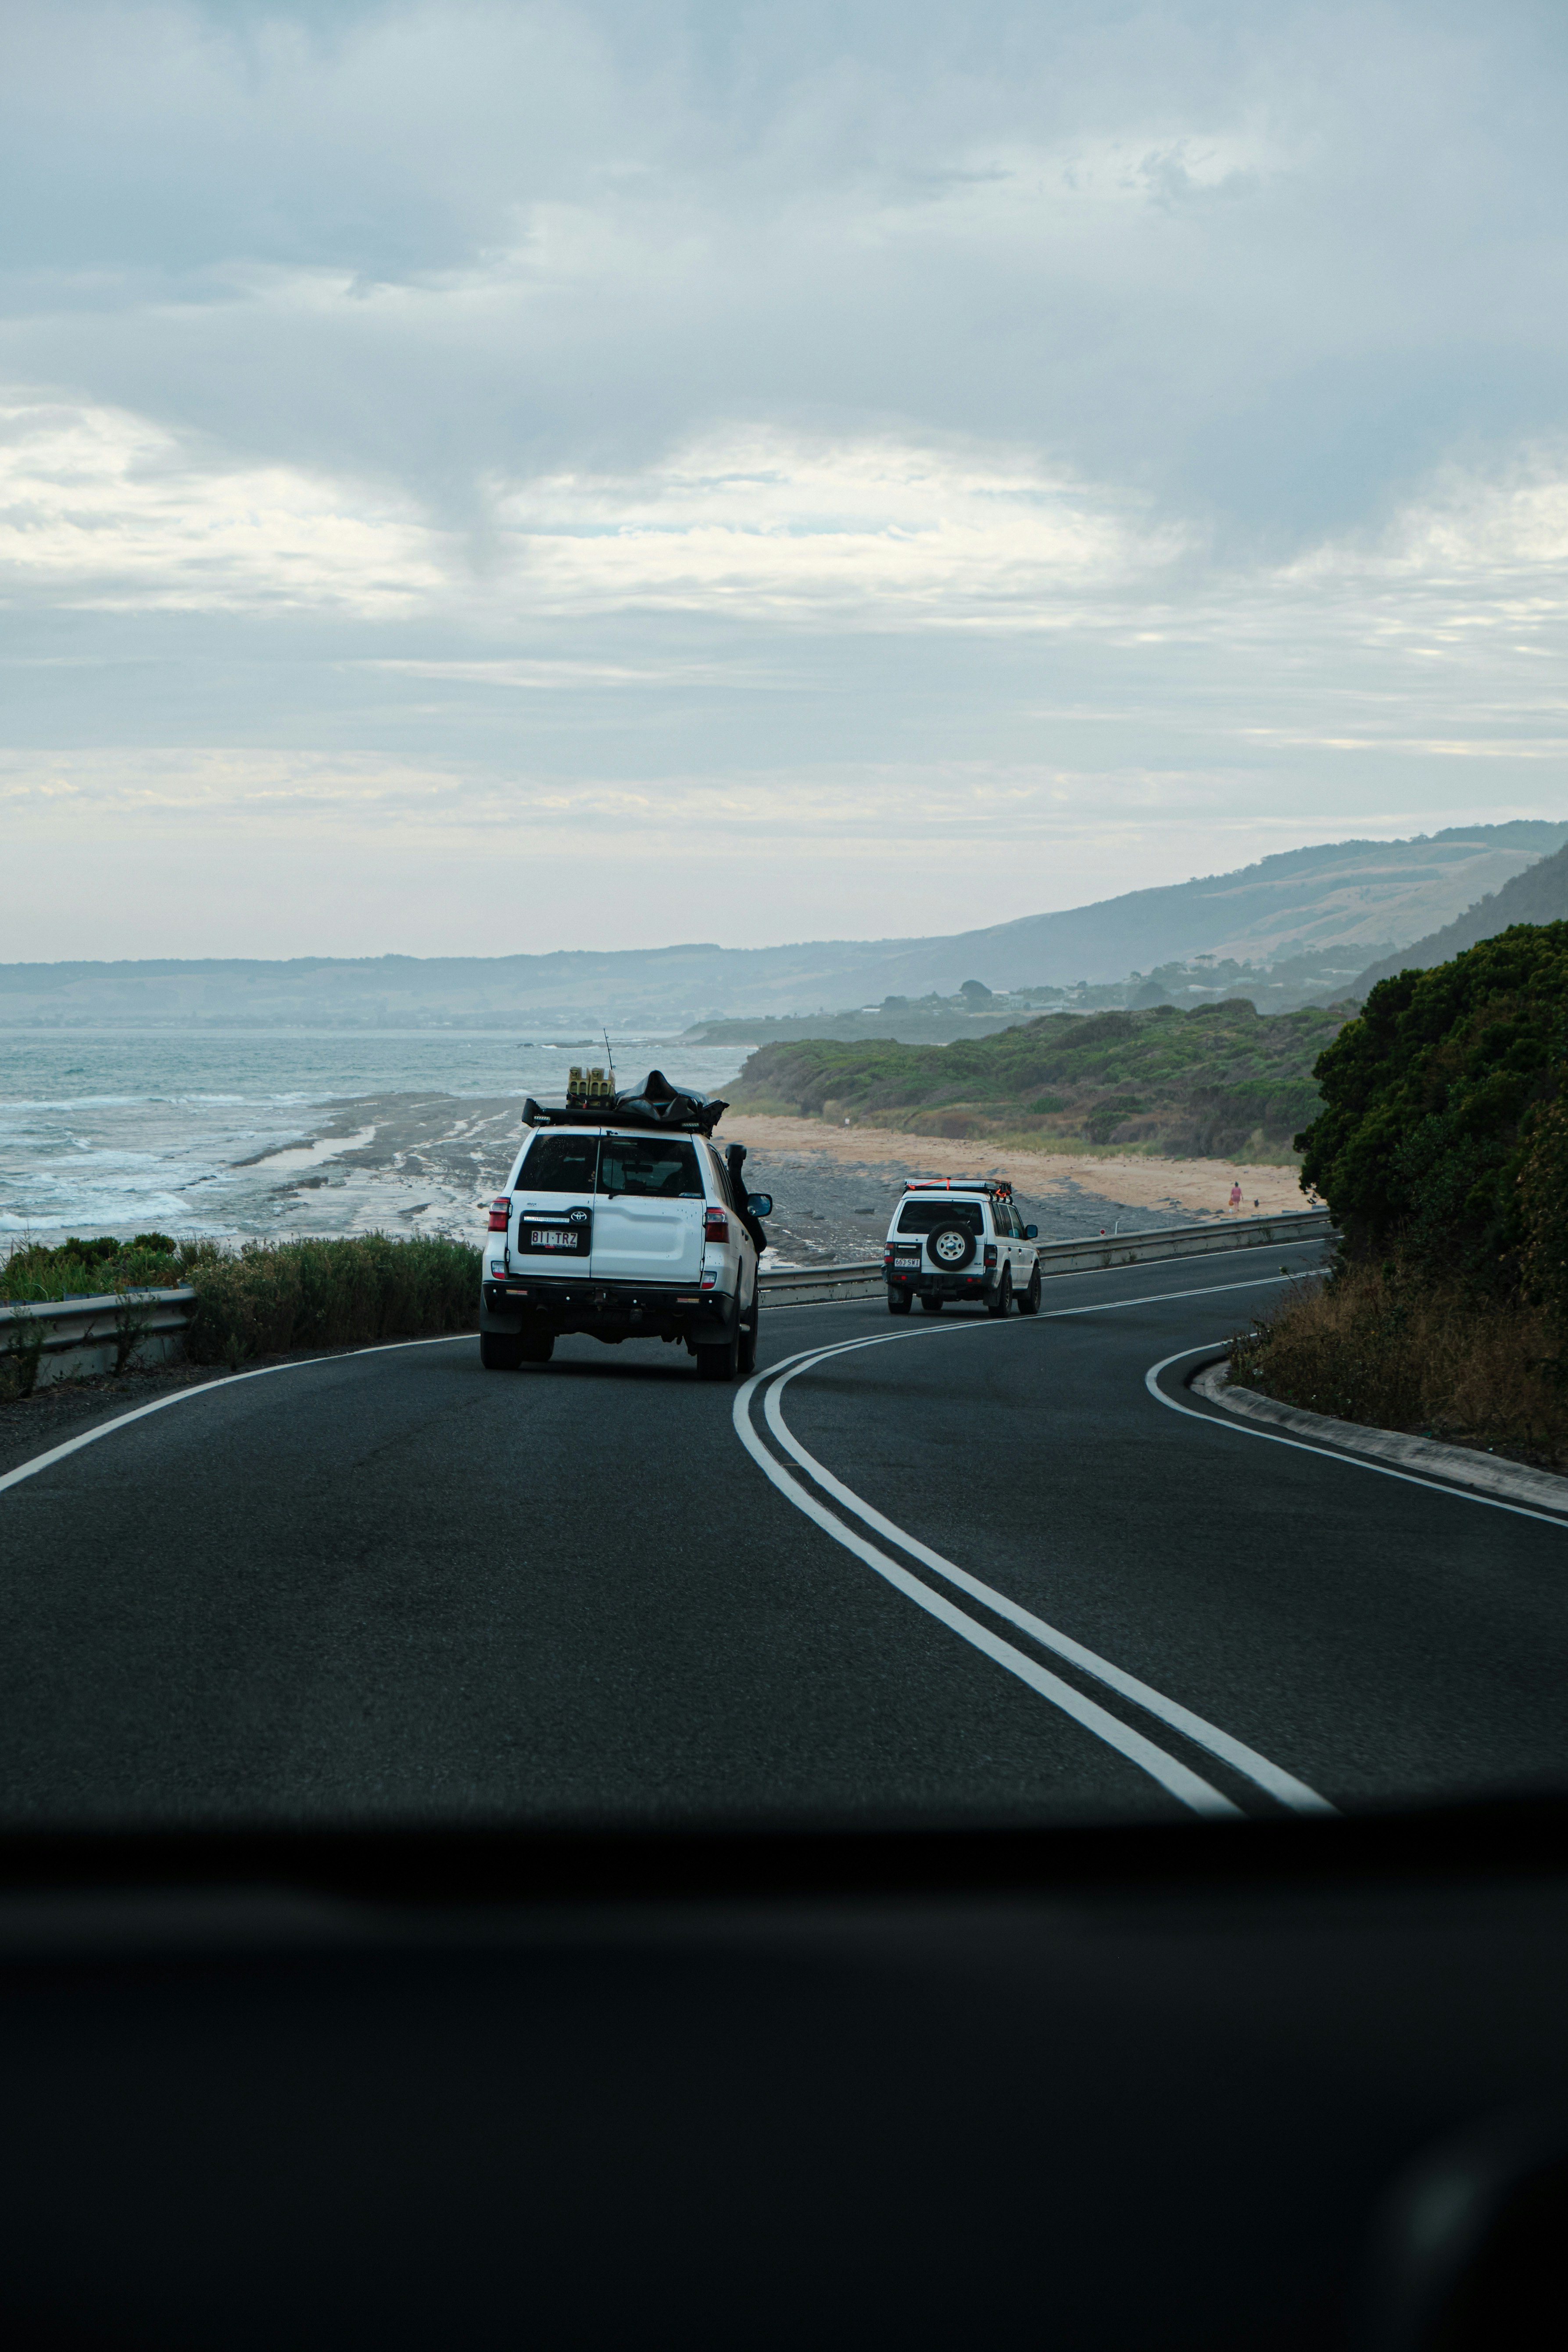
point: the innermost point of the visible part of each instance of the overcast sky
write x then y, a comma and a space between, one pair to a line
483, 477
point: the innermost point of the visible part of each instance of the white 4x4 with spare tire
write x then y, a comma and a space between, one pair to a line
622, 1219
956, 1237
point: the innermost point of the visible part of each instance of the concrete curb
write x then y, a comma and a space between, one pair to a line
1512, 1481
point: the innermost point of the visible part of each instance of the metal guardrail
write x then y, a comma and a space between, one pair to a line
804, 1285
808, 1286
70, 1338
1097, 1250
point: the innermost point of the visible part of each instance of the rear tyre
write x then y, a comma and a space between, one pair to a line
899, 1302
537, 1346
1029, 1303
500, 1351
722, 1361
1002, 1297
931, 1300
745, 1350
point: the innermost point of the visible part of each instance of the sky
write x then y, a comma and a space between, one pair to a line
487, 478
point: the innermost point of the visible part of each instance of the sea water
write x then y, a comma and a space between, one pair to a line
128, 1130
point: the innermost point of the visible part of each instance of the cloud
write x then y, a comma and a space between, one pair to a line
443, 424
102, 508
770, 523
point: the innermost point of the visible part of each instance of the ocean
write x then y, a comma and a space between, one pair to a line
242, 1132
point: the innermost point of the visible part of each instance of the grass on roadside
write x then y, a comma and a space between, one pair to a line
37, 1272
1385, 1346
264, 1298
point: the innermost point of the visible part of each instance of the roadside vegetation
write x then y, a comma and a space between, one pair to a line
89, 1270
1219, 1081
261, 1299
1442, 1150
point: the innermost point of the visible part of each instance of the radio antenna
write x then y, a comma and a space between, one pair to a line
610, 1058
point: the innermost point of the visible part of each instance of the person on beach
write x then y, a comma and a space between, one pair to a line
1236, 1195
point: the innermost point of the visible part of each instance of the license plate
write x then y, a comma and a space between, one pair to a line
551, 1237
906, 1264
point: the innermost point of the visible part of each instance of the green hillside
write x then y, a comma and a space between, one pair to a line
1221, 1081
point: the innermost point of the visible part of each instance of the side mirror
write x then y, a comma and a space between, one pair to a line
759, 1204
1031, 1233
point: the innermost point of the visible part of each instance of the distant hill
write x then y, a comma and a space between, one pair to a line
1348, 891
1221, 1081
1539, 895
1366, 893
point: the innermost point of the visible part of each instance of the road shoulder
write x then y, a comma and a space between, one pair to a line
1513, 1481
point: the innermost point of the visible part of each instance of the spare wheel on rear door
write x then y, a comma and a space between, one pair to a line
950, 1246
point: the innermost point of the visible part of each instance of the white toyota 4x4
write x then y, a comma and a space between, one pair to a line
951, 1238
622, 1219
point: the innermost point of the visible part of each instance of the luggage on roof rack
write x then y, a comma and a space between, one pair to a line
590, 1102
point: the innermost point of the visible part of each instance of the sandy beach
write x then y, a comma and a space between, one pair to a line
426, 1164
1195, 1187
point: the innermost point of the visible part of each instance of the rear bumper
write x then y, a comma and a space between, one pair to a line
973, 1283
608, 1310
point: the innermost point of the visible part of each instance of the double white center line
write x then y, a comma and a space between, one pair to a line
1178, 1779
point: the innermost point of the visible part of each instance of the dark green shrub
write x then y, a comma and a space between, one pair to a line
1431, 1101
1209, 1080
82, 1268
1543, 1216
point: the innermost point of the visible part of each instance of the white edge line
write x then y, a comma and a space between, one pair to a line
1237, 1428
1280, 1785
1175, 1778
209, 1388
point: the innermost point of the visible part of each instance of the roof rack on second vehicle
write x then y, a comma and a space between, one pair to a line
1001, 1186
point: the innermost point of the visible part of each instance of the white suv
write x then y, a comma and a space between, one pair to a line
951, 1238
627, 1228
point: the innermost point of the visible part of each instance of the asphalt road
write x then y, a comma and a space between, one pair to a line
393, 1583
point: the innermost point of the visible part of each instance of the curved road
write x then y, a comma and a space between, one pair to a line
942, 1566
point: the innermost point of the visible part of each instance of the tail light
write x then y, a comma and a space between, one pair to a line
499, 1211
991, 1252
715, 1225
886, 1251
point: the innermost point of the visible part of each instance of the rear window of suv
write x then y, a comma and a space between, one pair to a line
560, 1163
657, 1167
925, 1216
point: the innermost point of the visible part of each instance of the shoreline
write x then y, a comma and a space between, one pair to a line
1199, 1187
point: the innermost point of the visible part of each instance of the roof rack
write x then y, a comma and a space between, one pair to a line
606, 1113
656, 1106
1000, 1185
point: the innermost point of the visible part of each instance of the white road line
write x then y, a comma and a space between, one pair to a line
388, 1346
1174, 1776
1153, 1298
1279, 1784
208, 1387
1163, 1768
1324, 1452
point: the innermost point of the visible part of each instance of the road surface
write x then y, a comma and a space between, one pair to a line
934, 1568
